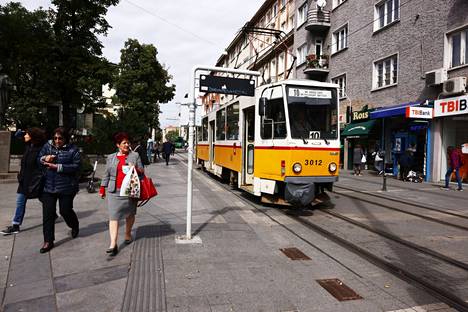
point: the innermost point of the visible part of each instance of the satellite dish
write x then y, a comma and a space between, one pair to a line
321, 3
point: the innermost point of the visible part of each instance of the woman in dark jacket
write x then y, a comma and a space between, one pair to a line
29, 177
61, 162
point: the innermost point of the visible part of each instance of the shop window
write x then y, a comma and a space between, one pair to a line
221, 125
340, 39
458, 42
386, 13
385, 72
232, 125
341, 82
273, 123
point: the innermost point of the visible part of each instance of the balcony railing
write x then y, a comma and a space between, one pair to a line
317, 67
318, 19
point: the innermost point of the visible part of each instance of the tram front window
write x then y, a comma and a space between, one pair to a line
312, 113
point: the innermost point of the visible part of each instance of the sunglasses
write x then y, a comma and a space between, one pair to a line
58, 138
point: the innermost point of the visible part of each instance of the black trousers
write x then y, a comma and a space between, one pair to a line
49, 207
166, 157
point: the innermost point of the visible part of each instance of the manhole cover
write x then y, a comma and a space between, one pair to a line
294, 254
338, 289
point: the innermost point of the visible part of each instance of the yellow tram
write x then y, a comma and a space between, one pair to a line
283, 144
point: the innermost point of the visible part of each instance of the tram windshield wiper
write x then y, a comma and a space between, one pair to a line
326, 141
304, 140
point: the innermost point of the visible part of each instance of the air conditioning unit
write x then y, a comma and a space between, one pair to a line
436, 77
455, 85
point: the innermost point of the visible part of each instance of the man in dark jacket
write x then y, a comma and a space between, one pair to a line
167, 150
406, 163
29, 177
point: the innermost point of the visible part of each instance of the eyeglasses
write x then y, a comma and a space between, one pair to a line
58, 138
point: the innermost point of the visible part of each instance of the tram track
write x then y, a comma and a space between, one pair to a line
409, 204
446, 296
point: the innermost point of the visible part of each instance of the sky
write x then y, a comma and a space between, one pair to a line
185, 32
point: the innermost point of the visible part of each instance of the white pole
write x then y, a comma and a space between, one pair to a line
192, 107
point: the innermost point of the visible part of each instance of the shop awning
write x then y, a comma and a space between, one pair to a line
358, 129
390, 111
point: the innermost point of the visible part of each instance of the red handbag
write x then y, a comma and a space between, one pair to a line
147, 190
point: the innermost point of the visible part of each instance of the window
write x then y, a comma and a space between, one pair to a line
204, 130
221, 125
281, 63
340, 39
232, 126
275, 10
273, 123
283, 3
386, 72
337, 3
318, 47
301, 54
273, 70
302, 14
459, 48
341, 81
386, 12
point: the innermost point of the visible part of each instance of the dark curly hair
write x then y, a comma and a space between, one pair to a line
38, 136
120, 136
63, 132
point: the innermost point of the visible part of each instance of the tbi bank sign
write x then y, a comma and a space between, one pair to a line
451, 106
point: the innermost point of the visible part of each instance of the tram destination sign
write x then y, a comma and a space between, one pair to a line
227, 85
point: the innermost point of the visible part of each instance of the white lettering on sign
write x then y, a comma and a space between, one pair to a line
419, 112
452, 106
320, 94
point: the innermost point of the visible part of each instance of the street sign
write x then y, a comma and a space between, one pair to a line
227, 85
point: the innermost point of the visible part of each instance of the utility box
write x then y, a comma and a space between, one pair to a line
5, 141
455, 85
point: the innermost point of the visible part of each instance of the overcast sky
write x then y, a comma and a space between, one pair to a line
185, 32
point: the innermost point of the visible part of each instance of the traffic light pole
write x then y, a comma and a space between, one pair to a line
192, 108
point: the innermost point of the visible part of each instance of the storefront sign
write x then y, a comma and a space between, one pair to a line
359, 116
452, 106
419, 112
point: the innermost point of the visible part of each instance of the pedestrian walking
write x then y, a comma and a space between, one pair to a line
172, 149
149, 148
454, 163
167, 150
406, 163
157, 150
119, 207
137, 147
358, 154
29, 177
61, 161
378, 159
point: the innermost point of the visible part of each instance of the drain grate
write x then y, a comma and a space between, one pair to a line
294, 254
338, 289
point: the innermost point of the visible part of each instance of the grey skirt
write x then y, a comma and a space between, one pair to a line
120, 207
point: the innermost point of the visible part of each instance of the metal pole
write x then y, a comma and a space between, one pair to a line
192, 108
384, 176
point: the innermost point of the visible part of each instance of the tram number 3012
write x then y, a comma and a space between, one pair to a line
311, 162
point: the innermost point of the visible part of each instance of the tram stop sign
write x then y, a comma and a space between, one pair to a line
227, 85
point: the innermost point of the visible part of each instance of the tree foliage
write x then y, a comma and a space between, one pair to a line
141, 84
26, 41
172, 135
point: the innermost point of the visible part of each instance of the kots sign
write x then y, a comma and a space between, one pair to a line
452, 106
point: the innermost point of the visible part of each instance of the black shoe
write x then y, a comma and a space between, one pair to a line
12, 229
128, 241
113, 251
46, 247
74, 232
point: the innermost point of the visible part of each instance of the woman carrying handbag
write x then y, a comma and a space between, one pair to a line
120, 207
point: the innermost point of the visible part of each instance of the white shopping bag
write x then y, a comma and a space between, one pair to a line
131, 184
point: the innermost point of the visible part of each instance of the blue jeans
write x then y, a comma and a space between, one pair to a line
457, 175
20, 208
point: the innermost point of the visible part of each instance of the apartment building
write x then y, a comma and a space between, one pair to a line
401, 66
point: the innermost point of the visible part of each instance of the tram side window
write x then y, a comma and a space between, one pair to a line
204, 130
221, 125
232, 132
273, 124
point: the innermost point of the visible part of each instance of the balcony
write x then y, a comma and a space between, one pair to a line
317, 67
318, 20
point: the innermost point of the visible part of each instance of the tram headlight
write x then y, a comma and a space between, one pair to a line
297, 168
332, 167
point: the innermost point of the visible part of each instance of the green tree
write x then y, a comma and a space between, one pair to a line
79, 66
172, 135
141, 84
26, 43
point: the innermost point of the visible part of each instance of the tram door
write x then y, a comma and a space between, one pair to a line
248, 144
211, 142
